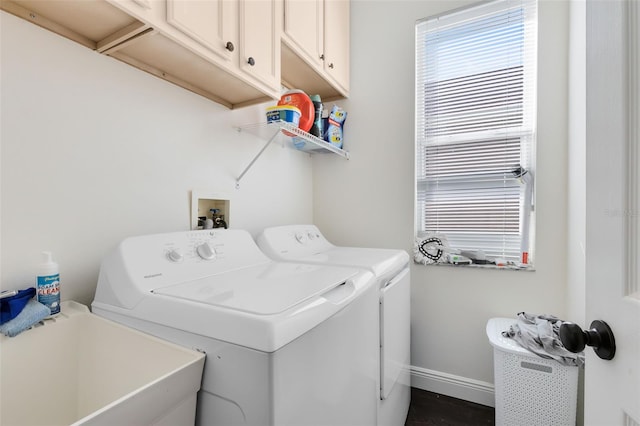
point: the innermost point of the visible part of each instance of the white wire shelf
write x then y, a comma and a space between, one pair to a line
290, 135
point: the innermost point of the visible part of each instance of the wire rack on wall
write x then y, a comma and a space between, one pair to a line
291, 136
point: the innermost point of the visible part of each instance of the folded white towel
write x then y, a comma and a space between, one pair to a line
32, 313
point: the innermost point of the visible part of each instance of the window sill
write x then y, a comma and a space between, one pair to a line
529, 268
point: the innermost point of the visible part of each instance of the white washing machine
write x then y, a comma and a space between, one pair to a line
306, 244
286, 343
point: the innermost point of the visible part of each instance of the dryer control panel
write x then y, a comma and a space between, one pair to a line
293, 242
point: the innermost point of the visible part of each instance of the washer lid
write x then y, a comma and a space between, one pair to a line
379, 261
265, 289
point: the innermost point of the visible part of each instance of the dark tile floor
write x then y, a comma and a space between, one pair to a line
431, 409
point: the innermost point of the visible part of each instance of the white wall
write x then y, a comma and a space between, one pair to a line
369, 200
93, 151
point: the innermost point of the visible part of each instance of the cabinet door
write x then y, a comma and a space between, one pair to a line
336, 41
212, 23
260, 23
304, 28
135, 8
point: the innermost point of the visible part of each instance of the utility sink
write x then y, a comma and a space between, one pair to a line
79, 368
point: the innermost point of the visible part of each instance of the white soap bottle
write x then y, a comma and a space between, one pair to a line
48, 283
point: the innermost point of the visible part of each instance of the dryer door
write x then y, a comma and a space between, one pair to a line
395, 321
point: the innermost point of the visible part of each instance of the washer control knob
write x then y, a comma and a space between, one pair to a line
311, 235
206, 252
301, 237
175, 255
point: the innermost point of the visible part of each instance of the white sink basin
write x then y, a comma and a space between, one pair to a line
82, 369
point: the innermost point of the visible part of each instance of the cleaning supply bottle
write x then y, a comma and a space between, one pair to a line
336, 121
48, 283
316, 127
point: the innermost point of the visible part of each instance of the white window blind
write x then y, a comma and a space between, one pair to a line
475, 125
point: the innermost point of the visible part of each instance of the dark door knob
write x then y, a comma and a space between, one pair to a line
599, 336
229, 46
251, 61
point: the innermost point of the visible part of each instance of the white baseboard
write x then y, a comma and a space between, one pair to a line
451, 385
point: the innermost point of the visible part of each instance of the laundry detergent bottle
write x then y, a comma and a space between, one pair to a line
48, 283
316, 127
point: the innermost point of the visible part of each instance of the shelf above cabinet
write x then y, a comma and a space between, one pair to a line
290, 135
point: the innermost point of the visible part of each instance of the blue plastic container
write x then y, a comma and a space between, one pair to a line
287, 113
10, 307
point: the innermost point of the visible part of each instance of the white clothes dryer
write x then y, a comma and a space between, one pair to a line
286, 343
307, 245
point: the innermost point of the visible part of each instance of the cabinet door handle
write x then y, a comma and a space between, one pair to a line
229, 46
331, 65
251, 61
322, 57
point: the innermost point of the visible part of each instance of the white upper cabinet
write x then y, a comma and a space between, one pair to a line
303, 28
336, 41
234, 52
259, 39
244, 32
212, 23
194, 44
315, 47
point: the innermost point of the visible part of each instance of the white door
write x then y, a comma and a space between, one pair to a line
612, 388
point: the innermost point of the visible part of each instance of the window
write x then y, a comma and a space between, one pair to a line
476, 127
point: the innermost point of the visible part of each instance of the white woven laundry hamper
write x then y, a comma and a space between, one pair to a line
530, 390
